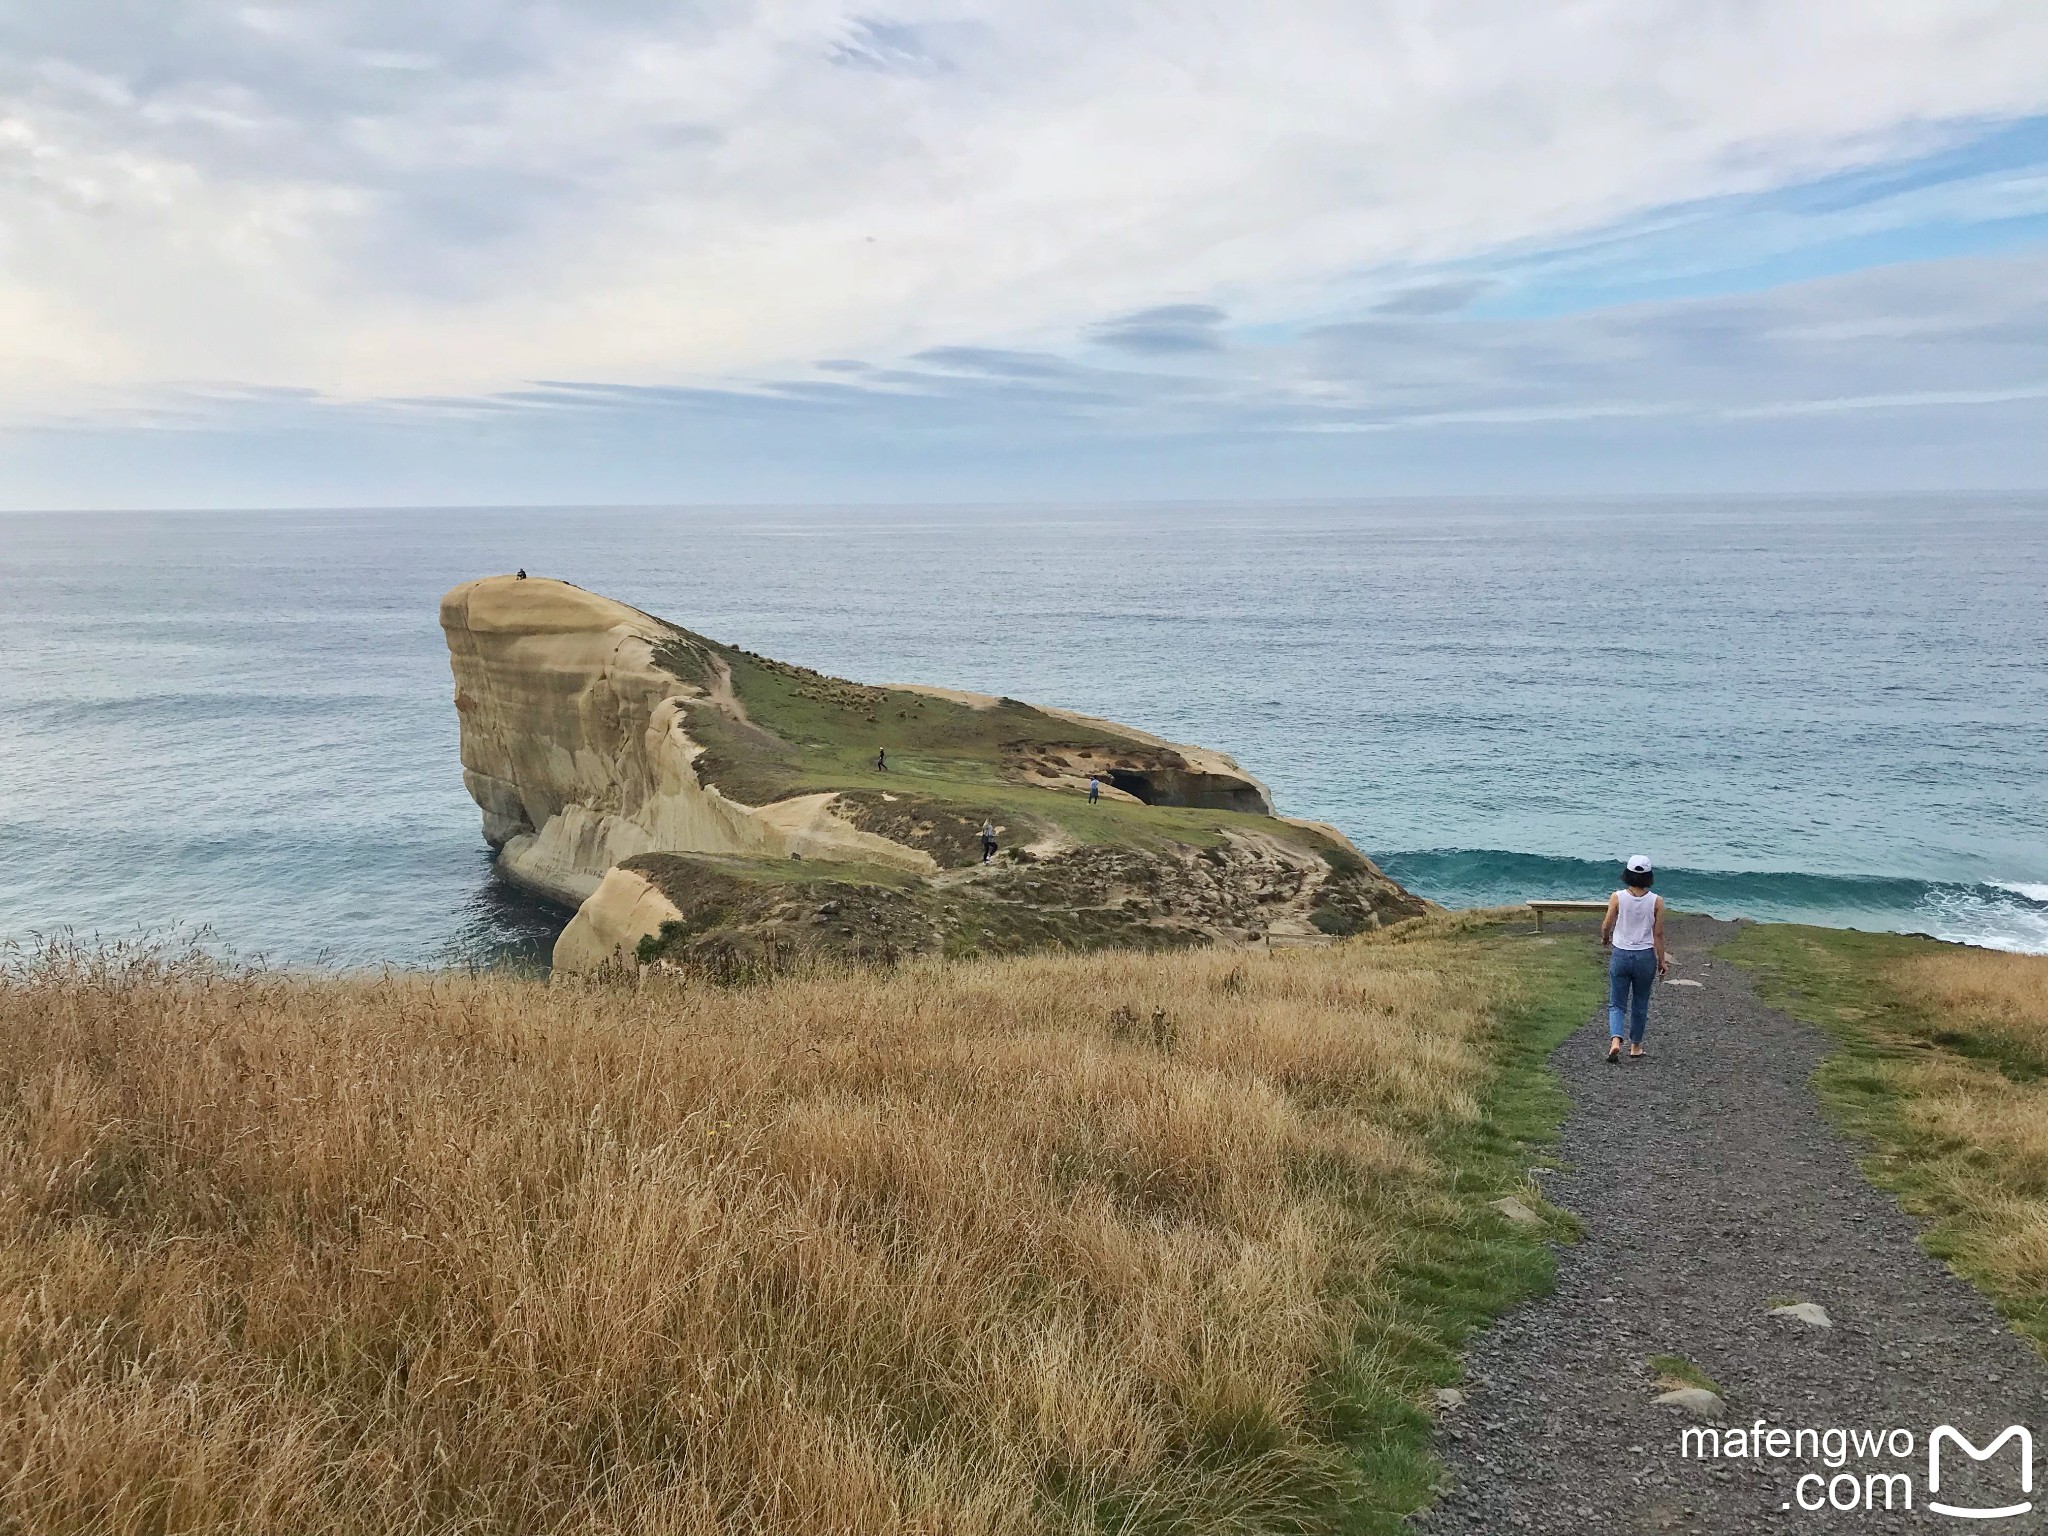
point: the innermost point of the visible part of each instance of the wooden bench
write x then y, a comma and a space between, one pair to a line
1542, 907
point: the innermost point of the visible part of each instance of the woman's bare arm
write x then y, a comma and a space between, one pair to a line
1663, 961
1613, 913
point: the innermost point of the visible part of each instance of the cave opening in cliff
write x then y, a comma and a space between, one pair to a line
1137, 785
1198, 791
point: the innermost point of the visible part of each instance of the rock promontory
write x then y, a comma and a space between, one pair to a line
706, 807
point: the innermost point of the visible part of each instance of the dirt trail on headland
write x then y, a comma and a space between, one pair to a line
1711, 1189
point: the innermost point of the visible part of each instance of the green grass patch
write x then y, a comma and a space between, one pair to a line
1675, 1371
1462, 1266
806, 732
774, 872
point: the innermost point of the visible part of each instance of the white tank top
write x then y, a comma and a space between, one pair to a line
1635, 924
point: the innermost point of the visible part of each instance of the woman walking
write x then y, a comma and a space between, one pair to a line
1634, 925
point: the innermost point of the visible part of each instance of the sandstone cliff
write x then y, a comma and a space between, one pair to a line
598, 739
574, 743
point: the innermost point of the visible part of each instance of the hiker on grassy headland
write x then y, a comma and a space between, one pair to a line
1094, 789
1634, 925
988, 840
881, 759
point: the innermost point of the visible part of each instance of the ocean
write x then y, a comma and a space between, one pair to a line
237, 728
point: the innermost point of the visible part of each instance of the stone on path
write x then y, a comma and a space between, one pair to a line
1516, 1212
1697, 1401
1680, 981
1807, 1312
1448, 1398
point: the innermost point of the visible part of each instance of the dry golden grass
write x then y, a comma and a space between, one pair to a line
945, 1250
2000, 999
1947, 1071
1984, 1098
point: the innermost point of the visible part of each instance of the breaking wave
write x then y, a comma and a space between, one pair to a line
1998, 914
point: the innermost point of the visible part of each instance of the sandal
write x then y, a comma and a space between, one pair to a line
1638, 1054
1614, 1051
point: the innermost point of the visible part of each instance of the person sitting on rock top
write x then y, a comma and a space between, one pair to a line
988, 840
520, 574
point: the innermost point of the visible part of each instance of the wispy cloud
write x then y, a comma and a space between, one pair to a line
1168, 328
962, 223
1441, 297
897, 48
1982, 188
371, 196
1892, 354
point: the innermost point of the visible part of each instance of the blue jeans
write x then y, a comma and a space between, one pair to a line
1629, 975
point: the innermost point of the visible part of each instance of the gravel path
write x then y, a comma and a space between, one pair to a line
1710, 1188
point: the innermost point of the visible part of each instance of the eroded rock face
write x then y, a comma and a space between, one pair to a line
724, 921
574, 744
607, 928
1144, 769
676, 789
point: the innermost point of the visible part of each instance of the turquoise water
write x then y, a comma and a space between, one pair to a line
1835, 711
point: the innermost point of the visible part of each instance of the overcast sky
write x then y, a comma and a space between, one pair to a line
344, 252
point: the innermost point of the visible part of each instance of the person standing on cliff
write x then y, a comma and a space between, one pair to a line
988, 840
1094, 789
1634, 926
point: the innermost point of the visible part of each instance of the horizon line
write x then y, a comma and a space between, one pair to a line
1398, 498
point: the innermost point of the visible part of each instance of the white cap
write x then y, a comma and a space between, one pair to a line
1640, 864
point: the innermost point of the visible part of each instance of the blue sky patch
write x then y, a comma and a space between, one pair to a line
1985, 196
